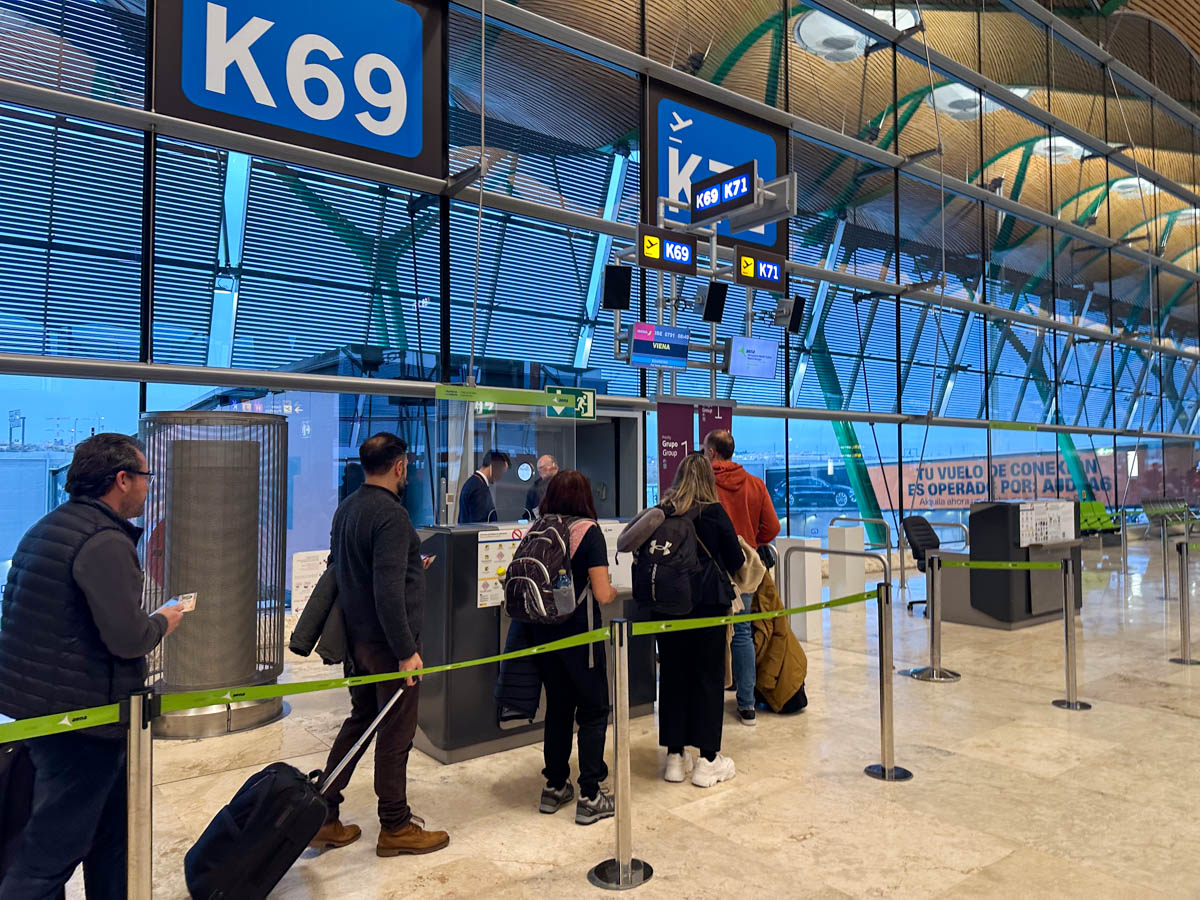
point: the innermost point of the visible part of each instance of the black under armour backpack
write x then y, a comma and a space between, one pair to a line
664, 566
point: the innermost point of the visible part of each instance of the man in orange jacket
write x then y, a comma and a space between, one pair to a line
749, 506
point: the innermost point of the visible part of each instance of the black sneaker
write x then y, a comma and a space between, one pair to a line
747, 717
592, 809
554, 800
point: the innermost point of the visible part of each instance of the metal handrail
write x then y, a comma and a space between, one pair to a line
887, 531
834, 551
903, 544
888, 770
965, 530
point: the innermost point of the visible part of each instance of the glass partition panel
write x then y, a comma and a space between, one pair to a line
1025, 465
837, 469
47, 417
945, 470
482, 430
833, 79
1013, 51
1077, 88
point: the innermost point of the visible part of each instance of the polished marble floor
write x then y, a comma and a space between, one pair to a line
1011, 796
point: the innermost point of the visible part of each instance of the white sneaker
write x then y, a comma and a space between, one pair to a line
678, 765
709, 773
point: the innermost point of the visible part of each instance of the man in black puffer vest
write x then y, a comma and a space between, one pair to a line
73, 635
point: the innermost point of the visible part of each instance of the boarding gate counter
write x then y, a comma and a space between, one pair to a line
465, 619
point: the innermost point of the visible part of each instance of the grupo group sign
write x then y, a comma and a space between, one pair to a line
957, 483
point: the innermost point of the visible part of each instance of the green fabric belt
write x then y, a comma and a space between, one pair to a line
59, 723
1001, 564
659, 627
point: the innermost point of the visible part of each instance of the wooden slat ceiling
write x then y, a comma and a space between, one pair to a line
583, 103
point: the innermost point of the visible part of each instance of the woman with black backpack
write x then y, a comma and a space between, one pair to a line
576, 679
691, 663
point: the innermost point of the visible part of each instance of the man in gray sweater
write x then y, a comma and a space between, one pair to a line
376, 555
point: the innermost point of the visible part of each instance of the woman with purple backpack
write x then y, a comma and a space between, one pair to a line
576, 679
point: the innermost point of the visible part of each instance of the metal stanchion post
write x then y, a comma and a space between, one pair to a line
1072, 701
903, 580
888, 770
139, 812
1185, 613
622, 872
1166, 567
933, 609
1124, 556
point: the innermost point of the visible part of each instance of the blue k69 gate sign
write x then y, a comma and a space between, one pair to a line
361, 78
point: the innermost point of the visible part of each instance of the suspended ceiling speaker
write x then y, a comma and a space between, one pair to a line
215, 526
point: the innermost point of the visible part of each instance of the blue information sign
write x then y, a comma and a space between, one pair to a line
658, 346
718, 195
357, 77
694, 139
757, 269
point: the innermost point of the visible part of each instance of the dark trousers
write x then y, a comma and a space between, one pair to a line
691, 688
78, 817
393, 739
575, 694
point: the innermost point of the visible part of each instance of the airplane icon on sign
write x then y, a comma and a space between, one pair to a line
678, 123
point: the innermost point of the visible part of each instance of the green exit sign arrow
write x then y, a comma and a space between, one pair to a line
580, 403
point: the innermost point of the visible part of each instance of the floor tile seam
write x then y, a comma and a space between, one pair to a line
252, 766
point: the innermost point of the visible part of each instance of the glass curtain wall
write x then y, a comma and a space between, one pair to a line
1008, 236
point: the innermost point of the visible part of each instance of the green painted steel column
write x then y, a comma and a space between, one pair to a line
851, 450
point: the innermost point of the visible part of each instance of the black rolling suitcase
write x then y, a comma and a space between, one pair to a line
252, 842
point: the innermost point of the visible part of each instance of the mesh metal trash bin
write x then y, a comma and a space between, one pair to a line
216, 525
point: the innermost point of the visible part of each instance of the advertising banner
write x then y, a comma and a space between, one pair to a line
957, 483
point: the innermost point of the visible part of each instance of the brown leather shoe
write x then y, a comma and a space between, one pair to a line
412, 838
334, 834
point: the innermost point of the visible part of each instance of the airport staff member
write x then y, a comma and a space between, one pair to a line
376, 556
547, 467
73, 636
475, 504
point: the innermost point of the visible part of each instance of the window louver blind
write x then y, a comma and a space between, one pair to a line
187, 232
314, 278
532, 286
76, 46
70, 237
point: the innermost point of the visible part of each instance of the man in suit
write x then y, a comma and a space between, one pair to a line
475, 503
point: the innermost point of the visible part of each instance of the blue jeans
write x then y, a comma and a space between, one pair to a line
741, 649
78, 816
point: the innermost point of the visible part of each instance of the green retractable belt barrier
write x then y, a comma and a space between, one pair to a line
659, 627
1001, 564
193, 699
59, 723
76, 720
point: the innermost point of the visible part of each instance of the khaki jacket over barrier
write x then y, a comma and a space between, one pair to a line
780, 663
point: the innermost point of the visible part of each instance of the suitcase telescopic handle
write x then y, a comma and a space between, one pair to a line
360, 743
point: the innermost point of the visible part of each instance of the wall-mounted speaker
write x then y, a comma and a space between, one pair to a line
710, 300
796, 318
618, 283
